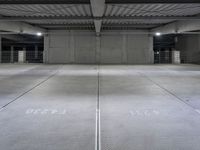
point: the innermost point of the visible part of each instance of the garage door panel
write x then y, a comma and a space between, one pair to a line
59, 55
111, 49
84, 49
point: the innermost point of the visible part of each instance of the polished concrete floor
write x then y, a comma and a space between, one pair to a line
141, 107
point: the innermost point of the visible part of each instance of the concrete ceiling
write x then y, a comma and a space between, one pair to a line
32, 16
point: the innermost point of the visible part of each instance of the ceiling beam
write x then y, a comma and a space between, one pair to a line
151, 1
28, 2
129, 25
20, 27
98, 7
65, 25
101, 18
13, 37
105, 25
45, 18
178, 27
152, 18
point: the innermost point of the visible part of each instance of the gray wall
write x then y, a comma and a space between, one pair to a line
0, 49
189, 46
109, 48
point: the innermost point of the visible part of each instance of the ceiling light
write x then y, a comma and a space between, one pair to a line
39, 34
158, 34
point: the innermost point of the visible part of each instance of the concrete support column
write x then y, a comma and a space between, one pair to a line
72, 47
46, 49
24, 50
198, 42
151, 52
124, 50
12, 54
0, 49
36, 52
22, 55
98, 49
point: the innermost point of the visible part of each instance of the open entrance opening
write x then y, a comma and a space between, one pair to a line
165, 51
22, 48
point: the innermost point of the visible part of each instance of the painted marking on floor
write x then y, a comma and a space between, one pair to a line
98, 121
144, 112
1, 109
197, 110
45, 111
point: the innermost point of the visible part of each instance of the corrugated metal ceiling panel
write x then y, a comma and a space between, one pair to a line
60, 22
146, 21
111, 10
45, 10
152, 10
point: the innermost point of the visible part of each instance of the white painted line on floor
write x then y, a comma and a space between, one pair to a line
197, 110
99, 131
1, 109
98, 121
96, 132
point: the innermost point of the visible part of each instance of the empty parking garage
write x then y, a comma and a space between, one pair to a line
99, 75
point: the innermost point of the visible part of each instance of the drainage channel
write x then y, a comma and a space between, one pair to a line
98, 114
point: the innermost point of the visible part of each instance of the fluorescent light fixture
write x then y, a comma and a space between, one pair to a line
39, 34
158, 34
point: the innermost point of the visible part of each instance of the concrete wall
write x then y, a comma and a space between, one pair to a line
0, 49
109, 48
189, 46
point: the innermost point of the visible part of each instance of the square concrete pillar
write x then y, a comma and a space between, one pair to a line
12, 54
36, 52
46, 49
22, 56
176, 57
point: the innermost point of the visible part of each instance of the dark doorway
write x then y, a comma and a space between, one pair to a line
30, 47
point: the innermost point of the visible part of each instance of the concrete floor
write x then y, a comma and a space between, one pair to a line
142, 107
